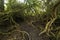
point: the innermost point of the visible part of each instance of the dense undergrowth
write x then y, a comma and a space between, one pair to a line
11, 18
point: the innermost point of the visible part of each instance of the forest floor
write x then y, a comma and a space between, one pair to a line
25, 31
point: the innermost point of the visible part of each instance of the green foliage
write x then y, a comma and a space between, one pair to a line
33, 10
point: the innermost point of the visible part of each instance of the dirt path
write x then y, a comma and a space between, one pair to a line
33, 32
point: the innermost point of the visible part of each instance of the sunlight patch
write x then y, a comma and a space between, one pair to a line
21, 1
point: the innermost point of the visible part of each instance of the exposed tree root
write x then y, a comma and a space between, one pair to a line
23, 32
48, 25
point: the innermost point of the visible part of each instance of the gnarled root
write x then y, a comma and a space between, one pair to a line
48, 25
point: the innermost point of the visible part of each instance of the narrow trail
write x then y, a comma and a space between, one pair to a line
33, 32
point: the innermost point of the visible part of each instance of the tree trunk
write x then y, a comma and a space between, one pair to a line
1, 5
